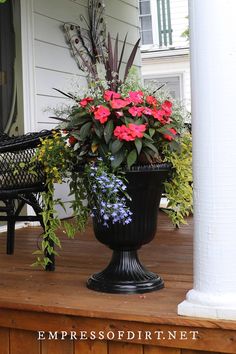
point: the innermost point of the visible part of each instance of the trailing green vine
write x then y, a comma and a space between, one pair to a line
54, 156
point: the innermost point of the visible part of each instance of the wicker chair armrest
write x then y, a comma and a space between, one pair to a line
27, 141
3, 137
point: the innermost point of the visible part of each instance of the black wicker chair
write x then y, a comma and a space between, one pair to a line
18, 187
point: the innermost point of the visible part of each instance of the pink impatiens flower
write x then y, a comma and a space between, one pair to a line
101, 113
122, 133
137, 130
147, 111
136, 97
108, 95
118, 103
84, 102
151, 100
136, 111
167, 107
160, 115
130, 132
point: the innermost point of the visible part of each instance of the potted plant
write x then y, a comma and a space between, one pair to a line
119, 149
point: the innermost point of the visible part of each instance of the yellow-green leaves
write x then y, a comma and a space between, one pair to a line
179, 189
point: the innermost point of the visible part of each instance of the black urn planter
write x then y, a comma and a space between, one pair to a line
125, 274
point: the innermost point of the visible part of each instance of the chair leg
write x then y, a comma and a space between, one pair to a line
10, 227
10, 236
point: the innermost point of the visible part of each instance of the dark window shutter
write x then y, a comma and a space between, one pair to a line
164, 22
7, 58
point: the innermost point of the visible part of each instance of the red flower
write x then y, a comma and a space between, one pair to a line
170, 137
108, 95
151, 100
101, 113
72, 140
137, 130
118, 103
136, 97
136, 111
84, 102
129, 133
148, 111
159, 114
122, 133
167, 107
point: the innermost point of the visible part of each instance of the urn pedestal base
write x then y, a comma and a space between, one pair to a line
125, 275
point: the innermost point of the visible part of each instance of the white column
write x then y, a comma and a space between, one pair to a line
213, 69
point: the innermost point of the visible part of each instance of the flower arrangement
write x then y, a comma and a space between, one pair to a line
134, 128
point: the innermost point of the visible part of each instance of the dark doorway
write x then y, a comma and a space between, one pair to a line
7, 59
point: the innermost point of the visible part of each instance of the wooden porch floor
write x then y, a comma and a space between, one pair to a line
33, 300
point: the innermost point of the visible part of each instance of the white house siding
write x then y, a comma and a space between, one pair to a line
54, 65
179, 22
170, 66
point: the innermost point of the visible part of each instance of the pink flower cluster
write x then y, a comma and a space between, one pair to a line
136, 105
130, 132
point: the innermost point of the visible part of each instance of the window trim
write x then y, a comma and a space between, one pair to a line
179, 74
155, 30
153, 8
28, 62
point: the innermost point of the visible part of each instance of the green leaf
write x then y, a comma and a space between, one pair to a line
98, 130
147, 137
148, 155
131, 158
118, 159
116, 146
79, 119
138, 145
103, 150
108, 131
150, 146
151, 132
85, 130
22, 164
76, 135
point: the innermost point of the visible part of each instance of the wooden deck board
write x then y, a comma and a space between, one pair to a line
60, 299
64, 291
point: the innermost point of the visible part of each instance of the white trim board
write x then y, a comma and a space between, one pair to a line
28, 65
19, 225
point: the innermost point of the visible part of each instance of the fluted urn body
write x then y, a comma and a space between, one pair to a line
125, 273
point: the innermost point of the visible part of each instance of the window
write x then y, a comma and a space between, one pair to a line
146, 22
172, 84
155, 22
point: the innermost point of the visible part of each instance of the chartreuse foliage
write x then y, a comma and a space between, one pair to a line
178, 190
